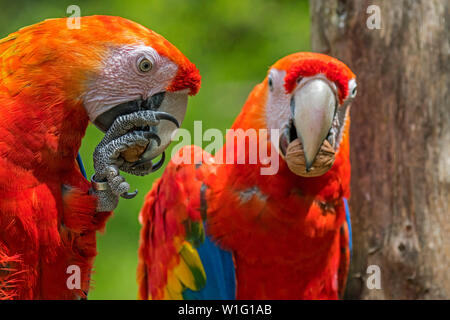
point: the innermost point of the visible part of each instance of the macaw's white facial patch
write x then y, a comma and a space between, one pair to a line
129, 93
124, 78
277, 109
352, 88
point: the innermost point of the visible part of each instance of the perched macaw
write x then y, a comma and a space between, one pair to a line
54, 78
215, 230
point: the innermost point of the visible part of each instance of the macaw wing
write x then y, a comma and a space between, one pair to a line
177, 260
346, 250
219, 267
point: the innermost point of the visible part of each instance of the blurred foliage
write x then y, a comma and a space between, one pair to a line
232, 43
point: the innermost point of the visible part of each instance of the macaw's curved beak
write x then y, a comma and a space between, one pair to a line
313, 106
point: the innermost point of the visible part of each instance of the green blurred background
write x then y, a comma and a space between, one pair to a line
232, 42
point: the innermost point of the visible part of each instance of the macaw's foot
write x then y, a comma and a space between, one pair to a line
127, 146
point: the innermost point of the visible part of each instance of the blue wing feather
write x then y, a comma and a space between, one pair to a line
220, 274
80, 164
349, 226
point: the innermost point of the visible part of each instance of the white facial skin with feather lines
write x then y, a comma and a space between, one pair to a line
129, 101
121, 81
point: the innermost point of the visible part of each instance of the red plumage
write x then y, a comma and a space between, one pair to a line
287, 233
286, 238
48, 217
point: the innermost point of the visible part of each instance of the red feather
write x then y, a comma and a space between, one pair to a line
287, 233
48, 219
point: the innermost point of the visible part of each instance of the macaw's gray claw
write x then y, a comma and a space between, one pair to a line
152, 135
159, 163
145, 161
128, 195
160, 115
140, 162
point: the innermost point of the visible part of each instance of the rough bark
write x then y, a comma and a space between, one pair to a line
400, 141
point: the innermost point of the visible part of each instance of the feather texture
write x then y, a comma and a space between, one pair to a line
285, 236
48, 219
175, 255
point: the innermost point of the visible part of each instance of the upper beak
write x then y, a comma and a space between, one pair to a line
313, 106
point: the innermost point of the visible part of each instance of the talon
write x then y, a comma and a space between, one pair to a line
128, 195
155, 166
166, 116
140, 162
151, 135
159, 163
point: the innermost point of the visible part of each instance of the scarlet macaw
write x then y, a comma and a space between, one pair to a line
213, 230
122, 76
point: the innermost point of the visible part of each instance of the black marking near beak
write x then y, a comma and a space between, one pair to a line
285, 138
157, 100
106, 119
154, 102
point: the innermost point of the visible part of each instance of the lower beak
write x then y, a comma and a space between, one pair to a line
313, 107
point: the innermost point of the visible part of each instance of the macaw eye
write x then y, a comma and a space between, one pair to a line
270, 83
299, 79
145, 65
352, 88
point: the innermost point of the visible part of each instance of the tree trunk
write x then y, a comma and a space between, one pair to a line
400, 141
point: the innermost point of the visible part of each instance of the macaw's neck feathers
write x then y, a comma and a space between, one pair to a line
44, 136
253, 113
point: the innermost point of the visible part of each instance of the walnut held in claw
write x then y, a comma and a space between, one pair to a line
133, 154
295, 159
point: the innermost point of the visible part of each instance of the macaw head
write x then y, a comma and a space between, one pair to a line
109, 65
308, 95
